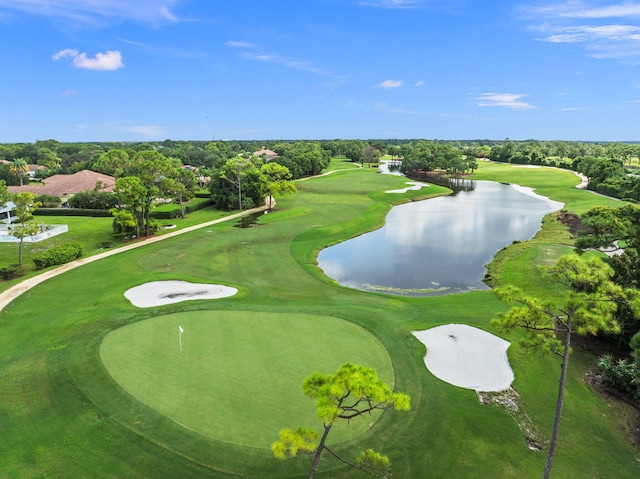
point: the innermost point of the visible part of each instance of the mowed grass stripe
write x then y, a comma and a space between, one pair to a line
238, 378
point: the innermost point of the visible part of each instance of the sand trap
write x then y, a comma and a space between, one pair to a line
159, 293
467, 357
414, 186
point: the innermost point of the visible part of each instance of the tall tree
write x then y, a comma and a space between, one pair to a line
351, 392
49, 159
617, 230
590, 301
181, 186
237, 184
370, 154
19, 168
25, 206
278, 180
113, 162
132, 196
151, 168
233, 172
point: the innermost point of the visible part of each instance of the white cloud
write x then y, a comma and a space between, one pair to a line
585, 33
391, 84
574, 108
419, 83
579, 22
240, 44
67, 52
111, 60
69, 93
506, 100
250, 51
95, 12
579, 9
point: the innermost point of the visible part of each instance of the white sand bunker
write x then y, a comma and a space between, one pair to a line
159, 293
415, 186
467, 357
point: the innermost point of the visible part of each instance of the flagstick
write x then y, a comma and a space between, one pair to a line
180, 336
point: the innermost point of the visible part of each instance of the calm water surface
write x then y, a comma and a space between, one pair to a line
440, 245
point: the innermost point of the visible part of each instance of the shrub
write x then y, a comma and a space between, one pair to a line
49, 201
176, 213
93, 200
124, 223
70, 212
621, 375
60, 254
12, 271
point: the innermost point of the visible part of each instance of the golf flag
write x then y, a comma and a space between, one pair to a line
180, 329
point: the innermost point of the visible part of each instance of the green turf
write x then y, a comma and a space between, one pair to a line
62, 414
230, 358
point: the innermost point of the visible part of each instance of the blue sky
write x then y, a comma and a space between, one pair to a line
124, 70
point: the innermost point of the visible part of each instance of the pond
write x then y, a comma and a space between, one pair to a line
440, 245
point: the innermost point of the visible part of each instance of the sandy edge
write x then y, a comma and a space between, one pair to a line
160, 293
467, 357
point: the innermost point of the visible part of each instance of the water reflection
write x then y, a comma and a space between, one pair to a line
440, 245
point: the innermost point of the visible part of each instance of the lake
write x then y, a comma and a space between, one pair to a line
440, 245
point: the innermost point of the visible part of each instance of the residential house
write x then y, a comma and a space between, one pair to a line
65, 186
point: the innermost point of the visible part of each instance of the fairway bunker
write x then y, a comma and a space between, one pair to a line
159, 293
467, 357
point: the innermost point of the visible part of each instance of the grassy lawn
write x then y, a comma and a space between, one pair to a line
87, 389
93, 234
237, 357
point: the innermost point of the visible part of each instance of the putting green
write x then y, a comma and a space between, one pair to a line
239, 375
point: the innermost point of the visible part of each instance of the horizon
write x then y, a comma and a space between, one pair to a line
320, 140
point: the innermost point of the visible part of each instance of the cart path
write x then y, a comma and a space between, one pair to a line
12, 293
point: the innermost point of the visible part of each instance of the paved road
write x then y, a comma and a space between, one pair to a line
10, 294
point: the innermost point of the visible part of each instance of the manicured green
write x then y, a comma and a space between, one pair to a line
63, 415
234, 358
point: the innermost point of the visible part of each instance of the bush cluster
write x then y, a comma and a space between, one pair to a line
48, 201
175, 213
70, 212
60, 254
12, 271
93, 200
622, 375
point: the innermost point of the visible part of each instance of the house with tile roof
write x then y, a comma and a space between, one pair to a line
65, 186
269, 155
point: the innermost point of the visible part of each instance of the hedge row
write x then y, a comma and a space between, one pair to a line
60, 254
175, 213
161, 215
70, 212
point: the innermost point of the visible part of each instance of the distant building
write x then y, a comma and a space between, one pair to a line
65, 186
268, 154
7, 214
33, 169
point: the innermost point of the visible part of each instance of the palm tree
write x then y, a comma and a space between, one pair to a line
19, 168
